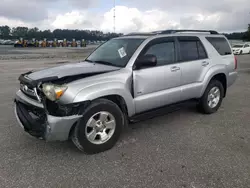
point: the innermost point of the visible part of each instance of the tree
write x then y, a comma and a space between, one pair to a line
20, 32
30, 33
4, 32
248, 33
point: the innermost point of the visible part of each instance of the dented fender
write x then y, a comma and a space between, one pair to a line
105, 89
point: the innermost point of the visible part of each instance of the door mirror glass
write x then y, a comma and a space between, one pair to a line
147, 60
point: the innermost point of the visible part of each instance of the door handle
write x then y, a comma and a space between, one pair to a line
175, 68
205, 63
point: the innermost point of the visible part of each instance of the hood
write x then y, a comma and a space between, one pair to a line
81, 69
236, 48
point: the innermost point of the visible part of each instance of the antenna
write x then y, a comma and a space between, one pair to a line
114, 16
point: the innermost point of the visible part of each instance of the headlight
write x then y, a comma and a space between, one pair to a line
53, 92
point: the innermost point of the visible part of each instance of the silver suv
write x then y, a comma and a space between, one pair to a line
125, 79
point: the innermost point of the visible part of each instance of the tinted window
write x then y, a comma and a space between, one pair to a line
246, 45
188, 50
201, 50
165, 52
220, 44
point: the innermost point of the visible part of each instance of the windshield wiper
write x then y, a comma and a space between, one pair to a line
89, 61
104, 62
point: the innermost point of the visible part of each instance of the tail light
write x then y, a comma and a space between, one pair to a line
235, 62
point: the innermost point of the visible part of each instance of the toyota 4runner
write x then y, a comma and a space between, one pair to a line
90, 102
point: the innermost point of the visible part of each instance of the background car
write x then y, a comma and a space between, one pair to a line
241, 48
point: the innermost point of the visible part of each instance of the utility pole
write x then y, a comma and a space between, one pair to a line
114, 16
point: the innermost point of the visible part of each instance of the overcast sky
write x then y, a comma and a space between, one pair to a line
131, 15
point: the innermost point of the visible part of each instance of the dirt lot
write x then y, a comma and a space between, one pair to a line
184, 149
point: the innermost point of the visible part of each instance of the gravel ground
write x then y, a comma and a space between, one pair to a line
183, 149
11, 53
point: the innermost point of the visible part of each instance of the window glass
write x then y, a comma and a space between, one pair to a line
220, 44
165, 52
201, 50
116, 52
188, 50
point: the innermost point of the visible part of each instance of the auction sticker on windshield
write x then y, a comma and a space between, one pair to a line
122, 52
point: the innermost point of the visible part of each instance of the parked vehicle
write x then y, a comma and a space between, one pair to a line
241, 48
124, 80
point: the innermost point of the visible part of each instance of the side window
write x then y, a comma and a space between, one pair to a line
188, 50
220, 44
192, 50
201, 50
246, 46
165, 52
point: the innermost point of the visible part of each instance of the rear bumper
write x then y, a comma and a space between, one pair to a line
231, 78
33, 119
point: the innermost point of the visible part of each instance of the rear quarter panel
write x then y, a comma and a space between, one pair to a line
219, 63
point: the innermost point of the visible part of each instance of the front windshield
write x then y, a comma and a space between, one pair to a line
237, 46
115, 52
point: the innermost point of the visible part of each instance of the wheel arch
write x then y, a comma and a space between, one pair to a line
116, 92
215, 74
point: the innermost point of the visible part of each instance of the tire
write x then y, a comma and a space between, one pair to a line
92, 146
241, 52
203, 105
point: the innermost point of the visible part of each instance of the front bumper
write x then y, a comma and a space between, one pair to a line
33, 119
236, 52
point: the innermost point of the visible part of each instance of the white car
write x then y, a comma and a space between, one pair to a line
241, 48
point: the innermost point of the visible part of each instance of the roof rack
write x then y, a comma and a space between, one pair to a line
140, 33
170, 31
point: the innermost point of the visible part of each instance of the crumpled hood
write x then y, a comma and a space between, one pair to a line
71, 70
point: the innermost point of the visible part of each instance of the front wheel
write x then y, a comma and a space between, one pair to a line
100, 127
211, 100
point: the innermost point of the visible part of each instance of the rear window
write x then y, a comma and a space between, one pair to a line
220, 44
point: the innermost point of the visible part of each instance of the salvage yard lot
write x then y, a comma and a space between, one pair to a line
182, 149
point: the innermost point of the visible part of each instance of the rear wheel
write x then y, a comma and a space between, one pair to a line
100, 127
212, 98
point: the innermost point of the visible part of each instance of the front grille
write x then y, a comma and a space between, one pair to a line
28, 91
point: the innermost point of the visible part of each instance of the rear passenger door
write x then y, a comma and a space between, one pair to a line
194, 63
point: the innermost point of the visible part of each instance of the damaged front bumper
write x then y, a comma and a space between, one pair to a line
33, 118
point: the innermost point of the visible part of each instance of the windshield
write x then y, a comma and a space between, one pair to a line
238, 46
115, 52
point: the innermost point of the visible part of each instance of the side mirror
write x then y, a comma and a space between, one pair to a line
148, 60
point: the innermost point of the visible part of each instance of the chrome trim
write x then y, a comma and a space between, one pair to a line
21, 96
37, 96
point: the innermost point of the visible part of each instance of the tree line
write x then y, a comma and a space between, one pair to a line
29, 33
239, 35
7, 32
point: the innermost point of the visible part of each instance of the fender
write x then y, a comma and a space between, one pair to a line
214, 70
104, 89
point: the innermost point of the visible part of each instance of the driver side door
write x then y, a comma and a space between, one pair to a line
159, 85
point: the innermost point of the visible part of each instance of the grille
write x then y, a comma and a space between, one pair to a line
30, 92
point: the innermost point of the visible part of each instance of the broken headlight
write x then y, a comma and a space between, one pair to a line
53, 92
